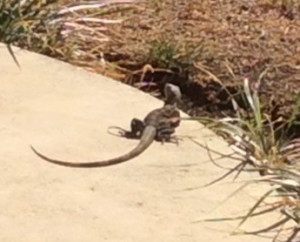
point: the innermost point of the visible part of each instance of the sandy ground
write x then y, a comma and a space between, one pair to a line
65, 112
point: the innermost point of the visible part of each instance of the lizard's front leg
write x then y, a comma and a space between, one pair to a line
165, 134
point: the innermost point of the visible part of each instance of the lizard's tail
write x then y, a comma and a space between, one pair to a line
146, 140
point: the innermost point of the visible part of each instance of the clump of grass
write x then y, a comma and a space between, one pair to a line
16, 19
70, 32
163, 54
264, 145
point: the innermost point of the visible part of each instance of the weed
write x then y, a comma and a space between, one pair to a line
19, 18
163, 53
261, 143
65, 32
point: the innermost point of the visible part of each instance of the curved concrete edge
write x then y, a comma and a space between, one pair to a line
65, 111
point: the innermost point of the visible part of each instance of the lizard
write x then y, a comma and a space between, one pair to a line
159, 125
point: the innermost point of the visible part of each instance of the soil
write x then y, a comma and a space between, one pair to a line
208, 46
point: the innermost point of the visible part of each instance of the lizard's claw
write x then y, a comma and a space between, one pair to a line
170, 139
175, 140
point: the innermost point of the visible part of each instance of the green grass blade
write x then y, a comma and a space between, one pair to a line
251, 211
11, 52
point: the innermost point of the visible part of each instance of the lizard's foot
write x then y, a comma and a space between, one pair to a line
173, 139
168, 137
122, 132
137, 127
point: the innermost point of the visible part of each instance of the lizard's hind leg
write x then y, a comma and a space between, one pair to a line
136, 129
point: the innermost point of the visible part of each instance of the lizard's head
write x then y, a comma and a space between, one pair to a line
172, 94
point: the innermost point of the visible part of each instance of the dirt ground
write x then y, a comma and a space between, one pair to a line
206, 47
229, 39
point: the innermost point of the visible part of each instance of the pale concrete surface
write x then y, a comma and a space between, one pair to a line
64, 112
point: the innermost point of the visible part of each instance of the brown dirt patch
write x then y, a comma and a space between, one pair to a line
193, 43
230, 39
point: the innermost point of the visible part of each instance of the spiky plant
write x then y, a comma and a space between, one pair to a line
263, 145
